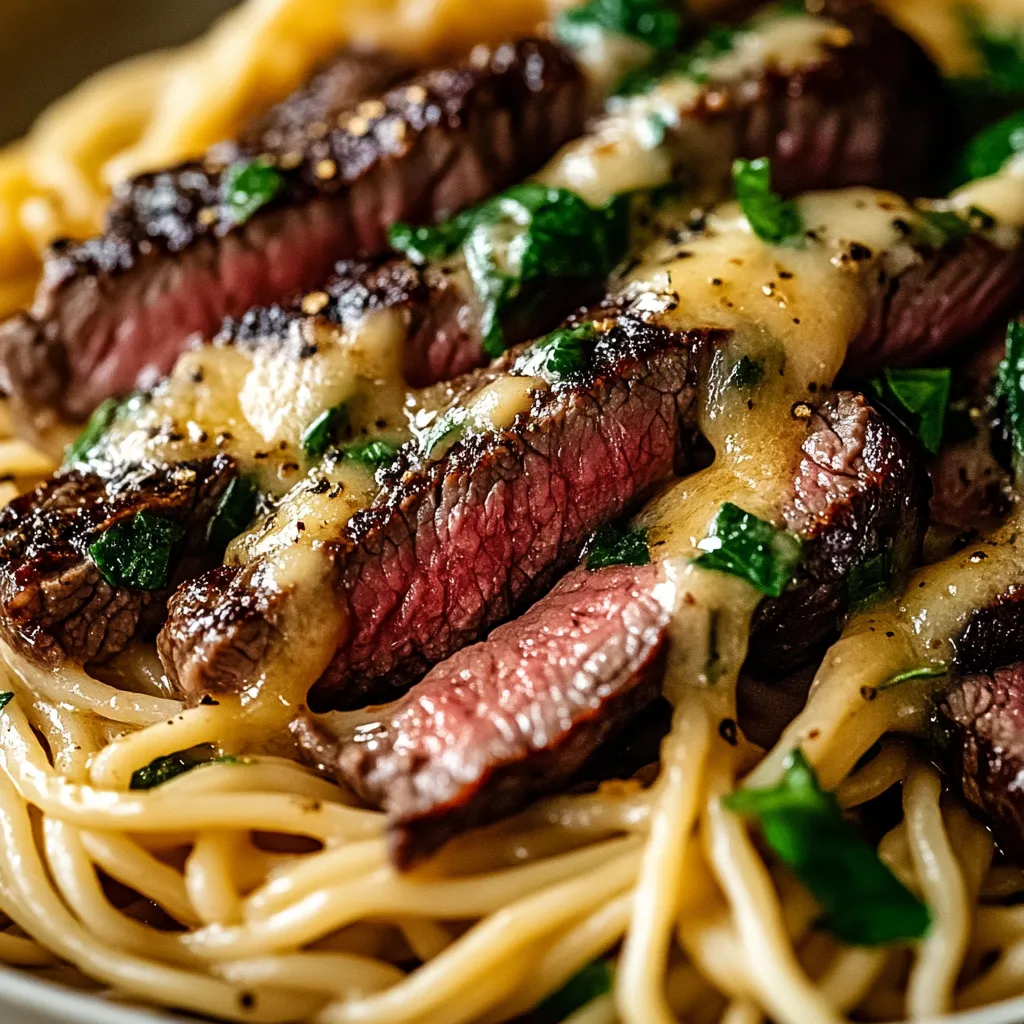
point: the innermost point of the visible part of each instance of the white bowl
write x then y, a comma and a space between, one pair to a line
25, 999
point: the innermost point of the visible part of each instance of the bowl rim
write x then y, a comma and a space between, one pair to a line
65, 1005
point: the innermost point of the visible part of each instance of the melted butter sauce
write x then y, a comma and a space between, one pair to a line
792, 310
255, 404
644, 138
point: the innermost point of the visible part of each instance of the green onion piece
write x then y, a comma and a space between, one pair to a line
746, 373
137, 553
560, 354
248, 186
320, 434
655, 22
526, 238
444, 431
1010, 384
589, 983
864, 903
234, 513
870, 579
371, 453
919, 397
773, 219
5, 699
163, 769
616, 545
939, 668
98, 424
991, 148
743, 545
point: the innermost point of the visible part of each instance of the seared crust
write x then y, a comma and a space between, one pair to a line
455, 545
518, 715
984, 716
868, 115
937, 304
173, 262
54, 603
860, 492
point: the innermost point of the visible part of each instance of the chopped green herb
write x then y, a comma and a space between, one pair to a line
559, 354
617, 545
448, 428
1010, 384
864, 903
655, 22
991, 148
1001, 51
939, 228
869, 580
321, 433
98, 424
248, 186
586, 985
372, 453
746, 373
5, 699
527, 237
773, 219
939, 668
235, 510
919, 397
693, 63
743, 545
163, 769
137, 553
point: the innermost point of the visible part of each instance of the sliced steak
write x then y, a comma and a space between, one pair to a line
870, 114
944, 300
455, 544
518, 715
971, 480
983, 718
54, 602
859, 493
174, 262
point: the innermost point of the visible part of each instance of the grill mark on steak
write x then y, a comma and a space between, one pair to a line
172, 262
455, 545
518, 715
54, 603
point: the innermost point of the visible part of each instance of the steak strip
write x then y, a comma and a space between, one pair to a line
454, 545
55, 603
173, 261
517, 716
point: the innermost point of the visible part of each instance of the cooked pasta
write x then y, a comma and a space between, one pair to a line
253, 889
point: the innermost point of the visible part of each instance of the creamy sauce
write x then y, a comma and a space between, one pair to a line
645, 138
255, 405
794, 311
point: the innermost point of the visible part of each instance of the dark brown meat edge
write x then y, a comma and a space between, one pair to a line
54, 602
518, 715
453, 546
172, 262
867, 115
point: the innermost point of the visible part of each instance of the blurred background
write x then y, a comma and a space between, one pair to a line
47, 46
